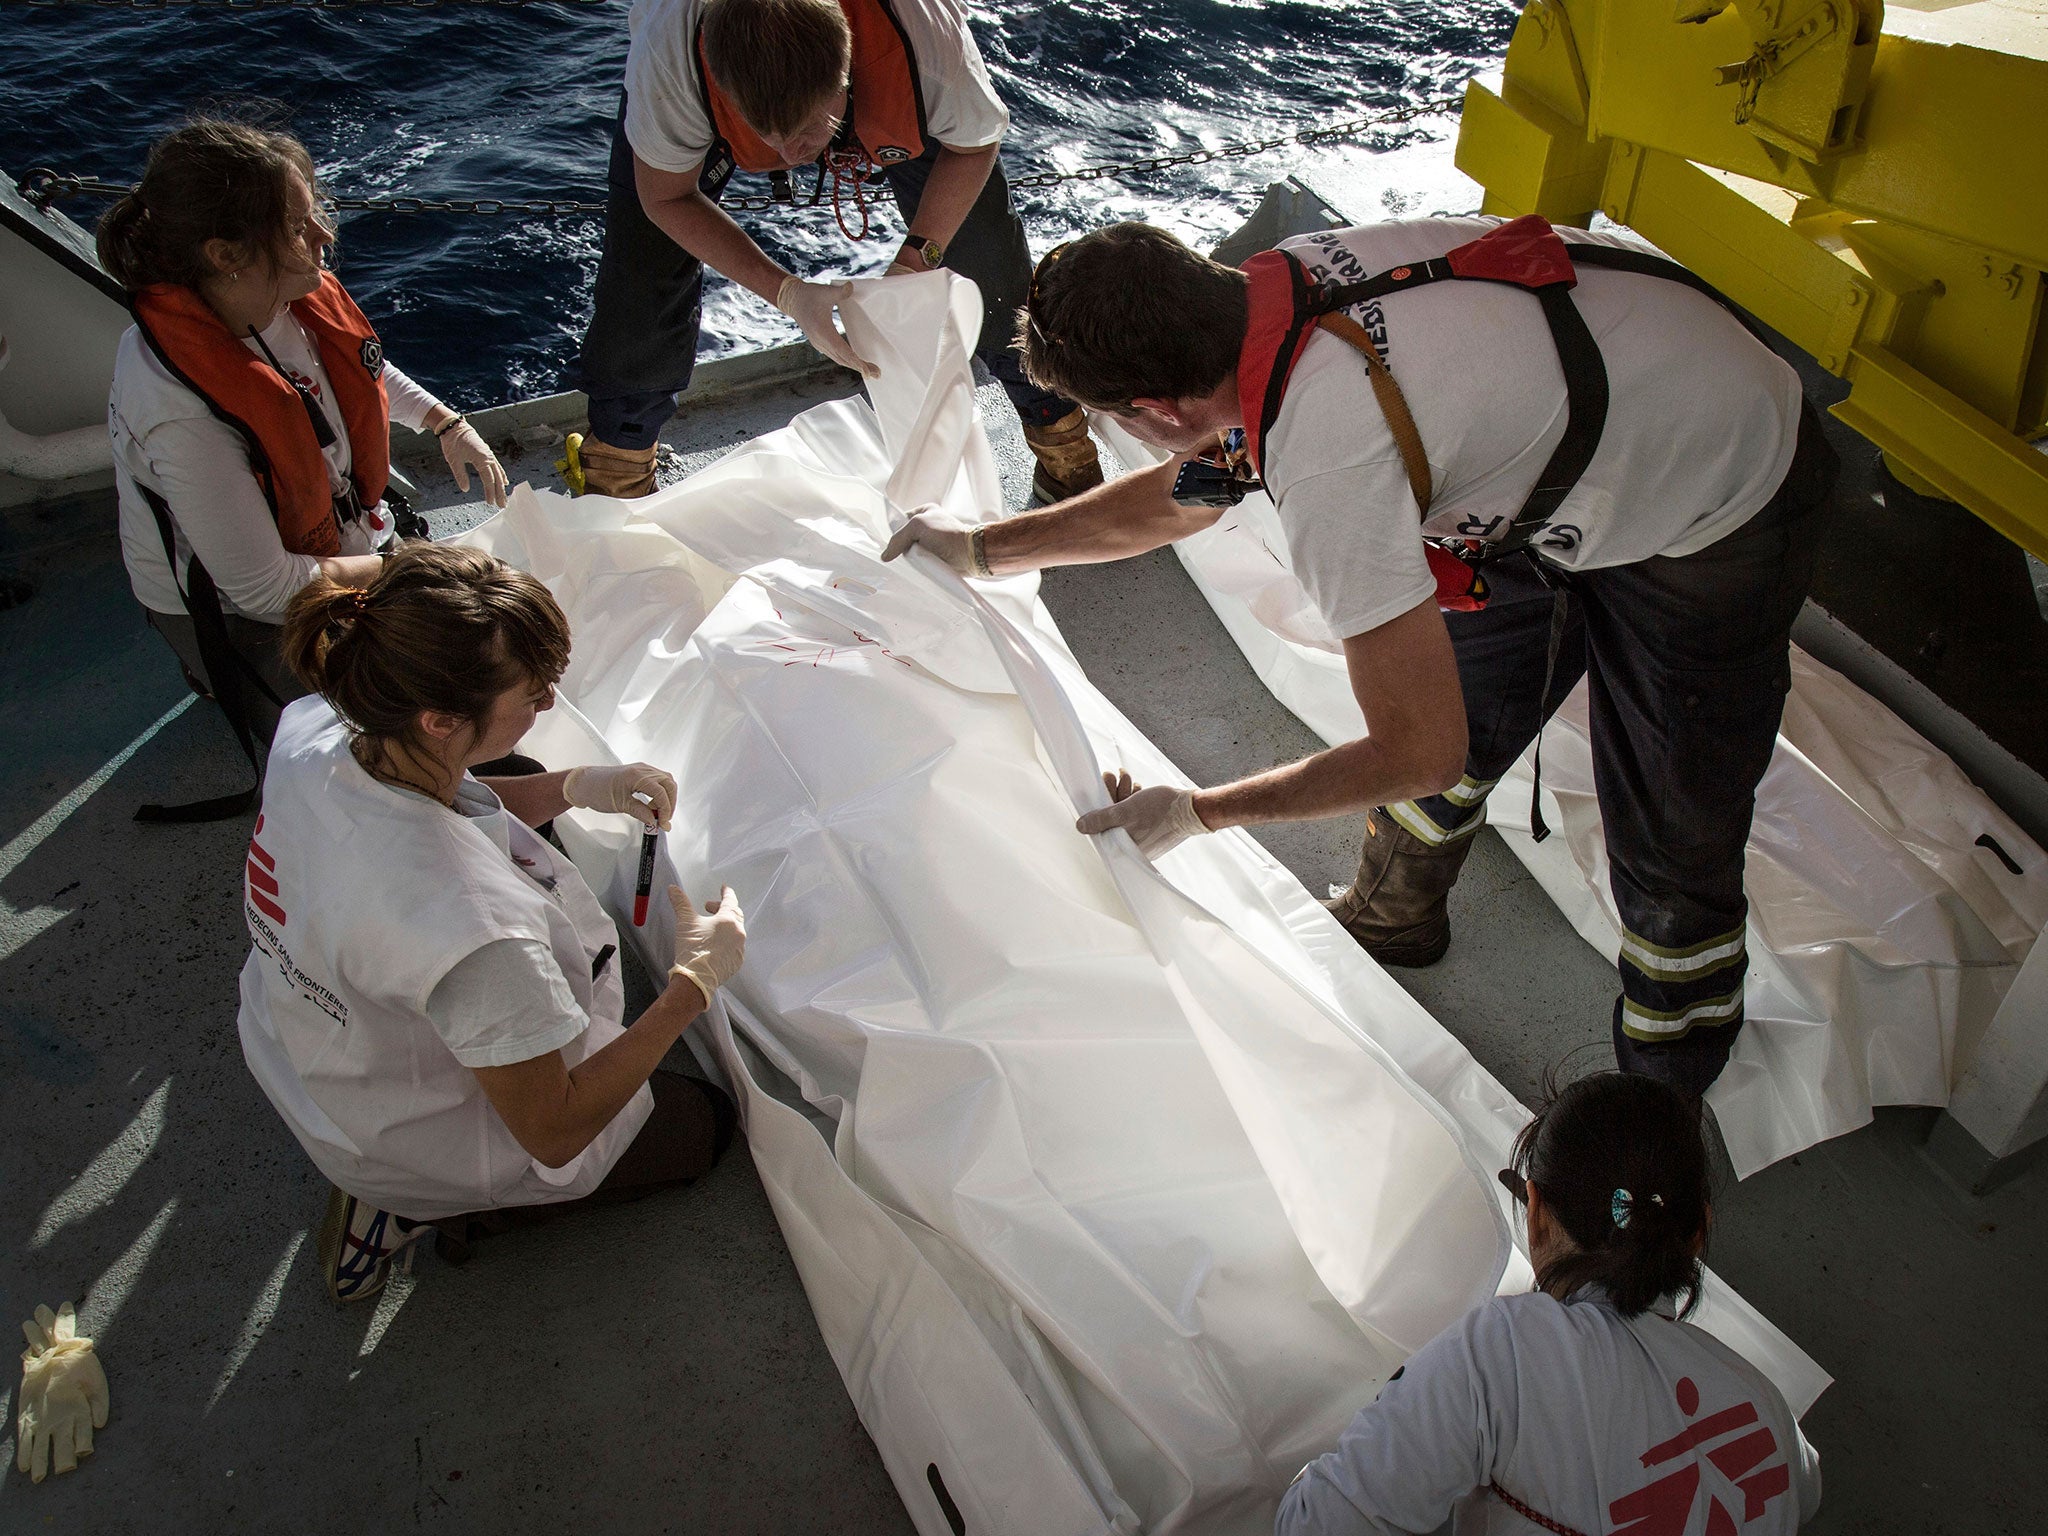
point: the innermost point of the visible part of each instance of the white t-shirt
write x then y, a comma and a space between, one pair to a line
669, 127
165, 438
507, 1002
1701, 425
1595, 1421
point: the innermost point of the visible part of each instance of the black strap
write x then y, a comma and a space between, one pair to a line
1585, 371
227, 673
1560, 612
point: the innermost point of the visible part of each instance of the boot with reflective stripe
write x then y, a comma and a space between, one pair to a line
623, 472
1398, 908
1067, 461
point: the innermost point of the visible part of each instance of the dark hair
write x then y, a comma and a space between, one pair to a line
777, 59
1621, 1163
213, 179
1128, 312
442, 628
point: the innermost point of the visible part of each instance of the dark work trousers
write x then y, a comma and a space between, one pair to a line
1688, 668
688, 1131
641, 346
256, 643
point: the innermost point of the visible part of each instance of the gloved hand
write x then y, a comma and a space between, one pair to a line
946, 537
1159, 819
710, 944
465, 449
897, 268
63, 1395
811, 305
604, 788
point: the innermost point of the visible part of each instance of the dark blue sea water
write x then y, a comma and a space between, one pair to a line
484, 101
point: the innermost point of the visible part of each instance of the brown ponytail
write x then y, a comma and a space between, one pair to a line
441, 629
213, 179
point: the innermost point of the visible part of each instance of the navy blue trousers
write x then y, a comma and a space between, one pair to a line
1687, 665
641, 345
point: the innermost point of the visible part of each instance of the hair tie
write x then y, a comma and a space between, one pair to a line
358, 600
1623, 1207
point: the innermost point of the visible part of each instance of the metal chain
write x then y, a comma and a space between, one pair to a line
42, 186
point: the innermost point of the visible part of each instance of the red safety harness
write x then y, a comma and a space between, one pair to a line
1287, 305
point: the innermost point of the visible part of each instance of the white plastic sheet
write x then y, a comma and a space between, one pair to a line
1116, 1191
1882, 934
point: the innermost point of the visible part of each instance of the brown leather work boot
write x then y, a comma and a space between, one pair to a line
1397, 908
1067, 461
623, 472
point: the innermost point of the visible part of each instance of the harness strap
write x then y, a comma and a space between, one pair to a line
1393, 405
225, 674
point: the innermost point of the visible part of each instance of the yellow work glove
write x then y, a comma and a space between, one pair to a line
710, 944
813, 306
1159, 819
63, 1394
639, 790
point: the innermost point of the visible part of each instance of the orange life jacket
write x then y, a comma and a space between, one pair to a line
884, 99
245, 391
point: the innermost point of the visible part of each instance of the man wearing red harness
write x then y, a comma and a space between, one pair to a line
1650, 466
867, 90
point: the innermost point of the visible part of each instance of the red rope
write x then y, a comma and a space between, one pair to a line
1527, 1513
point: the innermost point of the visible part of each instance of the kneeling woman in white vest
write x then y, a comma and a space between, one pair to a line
432, 1001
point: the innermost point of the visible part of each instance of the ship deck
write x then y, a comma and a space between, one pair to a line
656, 1366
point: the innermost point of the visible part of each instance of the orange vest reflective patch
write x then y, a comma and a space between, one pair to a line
883, 96
245, 391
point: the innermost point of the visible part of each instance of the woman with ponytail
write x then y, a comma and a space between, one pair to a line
251, 408
432, 999
1587, 1405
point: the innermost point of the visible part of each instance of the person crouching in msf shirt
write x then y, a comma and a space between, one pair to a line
1587, 1404
432, 1000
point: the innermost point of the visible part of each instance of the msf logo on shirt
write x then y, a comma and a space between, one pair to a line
264, 895
1739, 1474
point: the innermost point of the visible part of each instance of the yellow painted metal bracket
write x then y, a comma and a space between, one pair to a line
1867, 195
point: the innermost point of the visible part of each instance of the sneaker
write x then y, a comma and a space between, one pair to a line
358, 1243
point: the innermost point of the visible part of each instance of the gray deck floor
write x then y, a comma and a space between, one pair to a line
656, 1367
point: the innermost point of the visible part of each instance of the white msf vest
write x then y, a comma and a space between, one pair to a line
360, 898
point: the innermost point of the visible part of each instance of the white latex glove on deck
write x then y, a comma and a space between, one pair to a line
813, 306
63, 1395
710, 945
620, 791
1159, 819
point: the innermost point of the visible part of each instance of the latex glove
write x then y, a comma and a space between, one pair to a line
465, 449
63, 1394
897, 268
812, 305
1159, 819
619, 790
946, 537
710, 944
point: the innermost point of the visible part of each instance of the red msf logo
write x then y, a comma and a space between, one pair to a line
1734, 1471
263, 892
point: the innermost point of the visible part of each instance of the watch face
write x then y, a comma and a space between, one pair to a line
932, 252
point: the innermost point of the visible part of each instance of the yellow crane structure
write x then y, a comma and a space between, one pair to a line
1867, 179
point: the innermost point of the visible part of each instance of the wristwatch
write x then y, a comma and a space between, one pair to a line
930, 252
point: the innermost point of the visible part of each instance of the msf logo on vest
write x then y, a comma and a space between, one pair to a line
1738, 1476
264, 907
